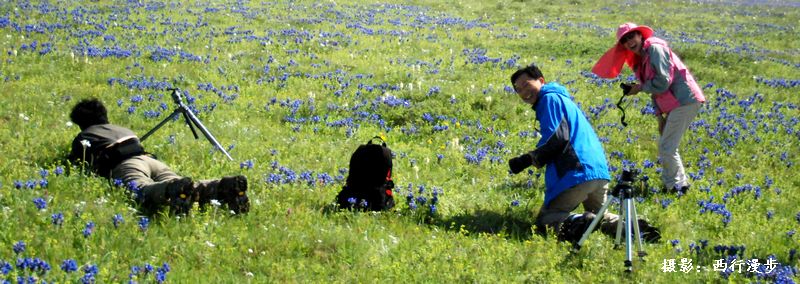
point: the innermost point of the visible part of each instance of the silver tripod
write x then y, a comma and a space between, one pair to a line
191, 120
627, 222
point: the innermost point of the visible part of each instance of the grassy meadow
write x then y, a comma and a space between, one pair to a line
291, 88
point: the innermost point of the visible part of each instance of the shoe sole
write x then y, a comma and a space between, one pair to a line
234, 193
182, 203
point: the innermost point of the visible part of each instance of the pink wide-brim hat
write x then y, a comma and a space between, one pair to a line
611, 63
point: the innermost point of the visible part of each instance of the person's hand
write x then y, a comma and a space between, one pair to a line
635, 89
520, 163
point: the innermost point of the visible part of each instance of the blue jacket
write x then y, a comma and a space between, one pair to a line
569, 146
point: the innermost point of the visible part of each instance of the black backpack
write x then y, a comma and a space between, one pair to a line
369, 182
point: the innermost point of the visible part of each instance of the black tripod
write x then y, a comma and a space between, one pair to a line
190, 119
628, 220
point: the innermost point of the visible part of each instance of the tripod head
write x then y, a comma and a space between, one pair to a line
176, 96
624, 187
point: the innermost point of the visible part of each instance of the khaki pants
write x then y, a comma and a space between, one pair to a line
592, 194
678, 120
151, 176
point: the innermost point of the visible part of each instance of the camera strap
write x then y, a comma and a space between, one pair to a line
619, 105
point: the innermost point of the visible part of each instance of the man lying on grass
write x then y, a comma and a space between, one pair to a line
114, 152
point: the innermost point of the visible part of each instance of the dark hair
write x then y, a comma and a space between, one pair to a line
531, 70
628, 36
89, 112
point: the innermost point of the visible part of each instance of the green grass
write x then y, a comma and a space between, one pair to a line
292, 233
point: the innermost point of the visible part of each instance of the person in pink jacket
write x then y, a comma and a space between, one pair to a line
661, 73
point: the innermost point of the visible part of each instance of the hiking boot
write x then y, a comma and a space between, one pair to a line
229, 191
574, 226
233, 192
181, 194
649, 233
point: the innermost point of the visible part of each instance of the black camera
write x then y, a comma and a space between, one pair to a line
625, 184
626, 88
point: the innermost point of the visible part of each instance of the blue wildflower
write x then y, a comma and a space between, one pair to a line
665, 202
69, 265
57, 219
40, 203
90, 269
246, 164
144, 222
88, 229
59, 170
19, 247
5, 268
515, 203
117, 219
90, 272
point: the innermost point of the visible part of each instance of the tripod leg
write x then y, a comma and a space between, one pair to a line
188, 122
594, 223
206, 133
620, 224
170, 117
635, 219
628, 238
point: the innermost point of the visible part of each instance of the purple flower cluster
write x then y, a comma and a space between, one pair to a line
422, 197
741, 189
285, 175
779, 82
718, 208
141, 83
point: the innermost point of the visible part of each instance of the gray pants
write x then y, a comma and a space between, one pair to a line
150, 175
678, 120
592, 194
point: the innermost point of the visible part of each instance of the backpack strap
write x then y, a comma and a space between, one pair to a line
383, 143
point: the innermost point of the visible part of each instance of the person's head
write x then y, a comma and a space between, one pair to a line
632, 41
630, 36
527, 83
89, 112
627, 49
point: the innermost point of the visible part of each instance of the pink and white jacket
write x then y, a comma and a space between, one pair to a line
664, 75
